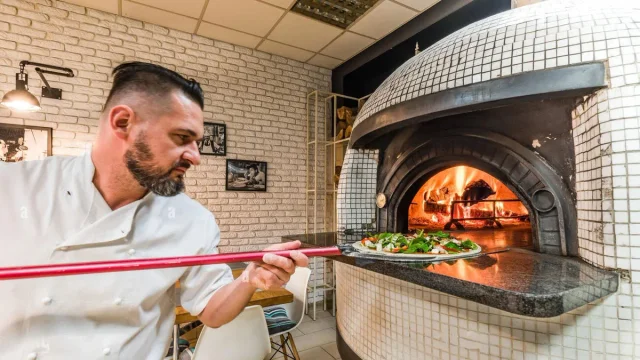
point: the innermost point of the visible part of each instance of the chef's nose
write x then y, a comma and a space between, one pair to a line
192, 154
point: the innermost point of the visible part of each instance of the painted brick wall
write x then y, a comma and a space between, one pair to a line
261, 98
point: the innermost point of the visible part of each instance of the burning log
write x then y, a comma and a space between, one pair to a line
480, 213
431, 207
440, 196
477, 190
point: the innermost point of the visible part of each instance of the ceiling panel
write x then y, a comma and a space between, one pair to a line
419, 5
104, 5
275, 26
285, 50
228, 35
383, 19
249, 16
324, 61
158, 17
286, 4
347, 45
340, 13
303, 32
191, 8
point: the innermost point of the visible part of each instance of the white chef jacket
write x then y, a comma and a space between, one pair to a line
50, 212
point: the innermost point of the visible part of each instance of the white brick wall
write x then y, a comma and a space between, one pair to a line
591, 186
261, 98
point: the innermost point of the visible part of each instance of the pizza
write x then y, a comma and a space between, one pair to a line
419, 243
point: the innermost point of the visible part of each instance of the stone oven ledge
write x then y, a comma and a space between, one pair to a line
519, 281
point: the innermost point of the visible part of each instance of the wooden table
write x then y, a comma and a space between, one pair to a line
260, 297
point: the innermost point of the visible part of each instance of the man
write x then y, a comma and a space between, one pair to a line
3, 150
255, 176
121, 200
20, 149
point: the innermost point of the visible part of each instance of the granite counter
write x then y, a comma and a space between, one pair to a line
518, 281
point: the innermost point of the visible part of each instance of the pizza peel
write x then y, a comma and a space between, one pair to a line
79, 268
422, 258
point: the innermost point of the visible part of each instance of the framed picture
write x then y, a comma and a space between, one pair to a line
246, 175
214, 140
24, 143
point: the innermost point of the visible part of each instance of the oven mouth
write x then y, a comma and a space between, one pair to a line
544, 202
464, 198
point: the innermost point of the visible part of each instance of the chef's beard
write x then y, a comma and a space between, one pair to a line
160, 182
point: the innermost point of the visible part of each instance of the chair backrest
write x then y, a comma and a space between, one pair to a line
244, 338
297, 285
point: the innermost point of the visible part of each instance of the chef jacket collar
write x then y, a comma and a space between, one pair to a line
113, 227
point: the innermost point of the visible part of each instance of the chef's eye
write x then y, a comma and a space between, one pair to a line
183, 138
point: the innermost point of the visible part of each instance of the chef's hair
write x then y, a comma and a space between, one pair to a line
153, 80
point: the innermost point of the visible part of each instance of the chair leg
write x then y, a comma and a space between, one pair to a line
293, 347
176, 331
284, 345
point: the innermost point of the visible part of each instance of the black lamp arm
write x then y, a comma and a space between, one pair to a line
46, 83
65, 71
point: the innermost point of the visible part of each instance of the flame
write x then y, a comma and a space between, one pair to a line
437, 194
461, 178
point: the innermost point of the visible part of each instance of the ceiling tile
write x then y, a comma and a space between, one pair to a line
158, 17
383, 19
228, 35
303, 32
192, 8
104, 5
340, 13
324, 61
347, 45
281, 3
285, 50
419, 5
250, 16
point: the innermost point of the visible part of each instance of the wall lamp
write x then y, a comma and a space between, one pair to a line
21, 99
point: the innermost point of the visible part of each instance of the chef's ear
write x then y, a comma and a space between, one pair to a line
121, 119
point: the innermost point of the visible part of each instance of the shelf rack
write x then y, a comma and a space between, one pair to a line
324, 154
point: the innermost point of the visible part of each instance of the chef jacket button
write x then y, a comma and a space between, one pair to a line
47, 301
132, 251
32, 356
118, 301
106, 351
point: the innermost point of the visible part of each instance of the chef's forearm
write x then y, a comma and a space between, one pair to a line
227, 303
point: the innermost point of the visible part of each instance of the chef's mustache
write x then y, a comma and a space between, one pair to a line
181, 163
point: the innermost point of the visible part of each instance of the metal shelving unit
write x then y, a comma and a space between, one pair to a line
324, 155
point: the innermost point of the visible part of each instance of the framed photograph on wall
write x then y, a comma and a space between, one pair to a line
24, 143
214, 140
246, 175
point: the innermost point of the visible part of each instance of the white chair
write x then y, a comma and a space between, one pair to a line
297, 285
244, 338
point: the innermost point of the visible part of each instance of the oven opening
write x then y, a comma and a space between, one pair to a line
465, 198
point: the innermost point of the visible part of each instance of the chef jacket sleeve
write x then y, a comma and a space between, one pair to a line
199, 283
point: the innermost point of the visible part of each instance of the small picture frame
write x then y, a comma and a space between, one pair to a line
24, 143
246, 175
214, 140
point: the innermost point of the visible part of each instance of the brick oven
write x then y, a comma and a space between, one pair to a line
496, 152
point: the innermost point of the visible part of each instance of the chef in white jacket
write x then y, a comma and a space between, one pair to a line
121, 200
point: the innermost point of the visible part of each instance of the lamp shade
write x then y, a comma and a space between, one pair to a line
20, 100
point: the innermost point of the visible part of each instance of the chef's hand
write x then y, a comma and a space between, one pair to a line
274, 271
